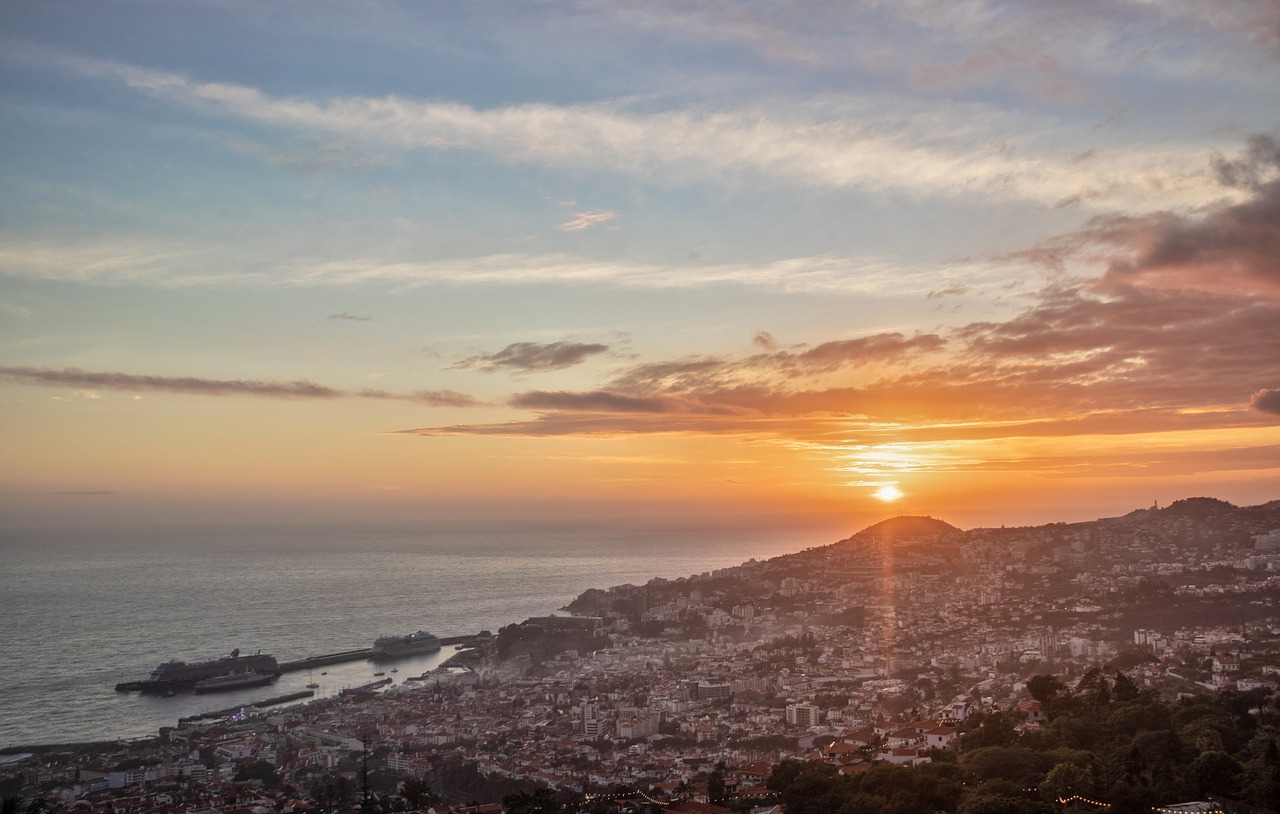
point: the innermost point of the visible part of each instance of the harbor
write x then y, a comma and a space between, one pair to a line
229, 711
234, 662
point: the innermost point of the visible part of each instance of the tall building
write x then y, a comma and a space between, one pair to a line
802, 715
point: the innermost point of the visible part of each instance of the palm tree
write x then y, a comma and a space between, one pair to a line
14, 805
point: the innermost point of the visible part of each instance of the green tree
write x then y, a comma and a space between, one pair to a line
418, 793
1044, 688
541, 801
715, 785
258, 770
1215, 773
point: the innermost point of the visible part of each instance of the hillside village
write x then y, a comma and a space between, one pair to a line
909, 643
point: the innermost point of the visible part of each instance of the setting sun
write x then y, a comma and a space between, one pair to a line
888, 493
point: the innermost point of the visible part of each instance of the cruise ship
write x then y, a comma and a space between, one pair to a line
235, 681
394, 647
180, 675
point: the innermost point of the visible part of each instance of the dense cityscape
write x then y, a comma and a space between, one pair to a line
907, 649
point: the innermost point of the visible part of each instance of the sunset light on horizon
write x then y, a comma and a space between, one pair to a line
984, 262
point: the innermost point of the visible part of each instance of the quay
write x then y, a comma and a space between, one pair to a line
365, 653
223, 713
321, 661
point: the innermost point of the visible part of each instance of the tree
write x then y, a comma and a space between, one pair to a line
1215, 773
1043, 688
258, 770
17, 804
418, 793
1124, 689
715, 785
541, 801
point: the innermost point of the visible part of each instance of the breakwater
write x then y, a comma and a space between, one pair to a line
269, 702
365, 653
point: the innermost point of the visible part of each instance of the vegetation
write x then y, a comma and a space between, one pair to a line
1106, 740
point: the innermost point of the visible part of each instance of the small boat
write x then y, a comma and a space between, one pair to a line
312, 686
375, 675
395, 669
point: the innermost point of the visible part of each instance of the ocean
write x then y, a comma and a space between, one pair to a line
84, 611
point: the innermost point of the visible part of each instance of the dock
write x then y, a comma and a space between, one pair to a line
321, 661
269, 702
366, 652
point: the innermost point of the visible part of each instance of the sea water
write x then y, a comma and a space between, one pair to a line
83, 611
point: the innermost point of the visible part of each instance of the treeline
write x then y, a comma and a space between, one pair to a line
1105, 742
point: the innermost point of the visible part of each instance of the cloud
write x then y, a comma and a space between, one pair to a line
528, 357
1183, 317
954, 290
74, 377
597, 401
143, 261
1266, 401
585, 220
870, 144
301, 389
344, 316
764, 340
432, 398
1231, 249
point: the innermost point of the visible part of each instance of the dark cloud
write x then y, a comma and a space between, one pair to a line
597, 401
344, 316
530, 357
1260, 159
676, 375
433, 398
764, 340
74, 377
1266, 401
1227, 249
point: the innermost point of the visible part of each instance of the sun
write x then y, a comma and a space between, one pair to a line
888, 493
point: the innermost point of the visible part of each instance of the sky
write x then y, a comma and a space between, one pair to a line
993, 262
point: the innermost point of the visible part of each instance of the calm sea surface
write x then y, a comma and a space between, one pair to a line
82, 612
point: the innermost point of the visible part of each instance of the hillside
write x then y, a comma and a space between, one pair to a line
907, 527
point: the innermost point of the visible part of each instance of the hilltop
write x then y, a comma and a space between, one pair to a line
906, 527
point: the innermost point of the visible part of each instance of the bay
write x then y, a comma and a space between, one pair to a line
85, 610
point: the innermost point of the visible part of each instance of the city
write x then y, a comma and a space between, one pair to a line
887, 647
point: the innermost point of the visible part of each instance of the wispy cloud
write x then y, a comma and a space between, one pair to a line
345, 317
189, 385
585, 220
74, 377
120, 262
868, 144
528, 357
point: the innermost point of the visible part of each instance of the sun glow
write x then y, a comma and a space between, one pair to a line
888, 493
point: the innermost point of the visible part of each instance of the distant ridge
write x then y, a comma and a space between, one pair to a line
906, 527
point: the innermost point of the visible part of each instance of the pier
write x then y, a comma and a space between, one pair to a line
365, 653
321, 661
223, 713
